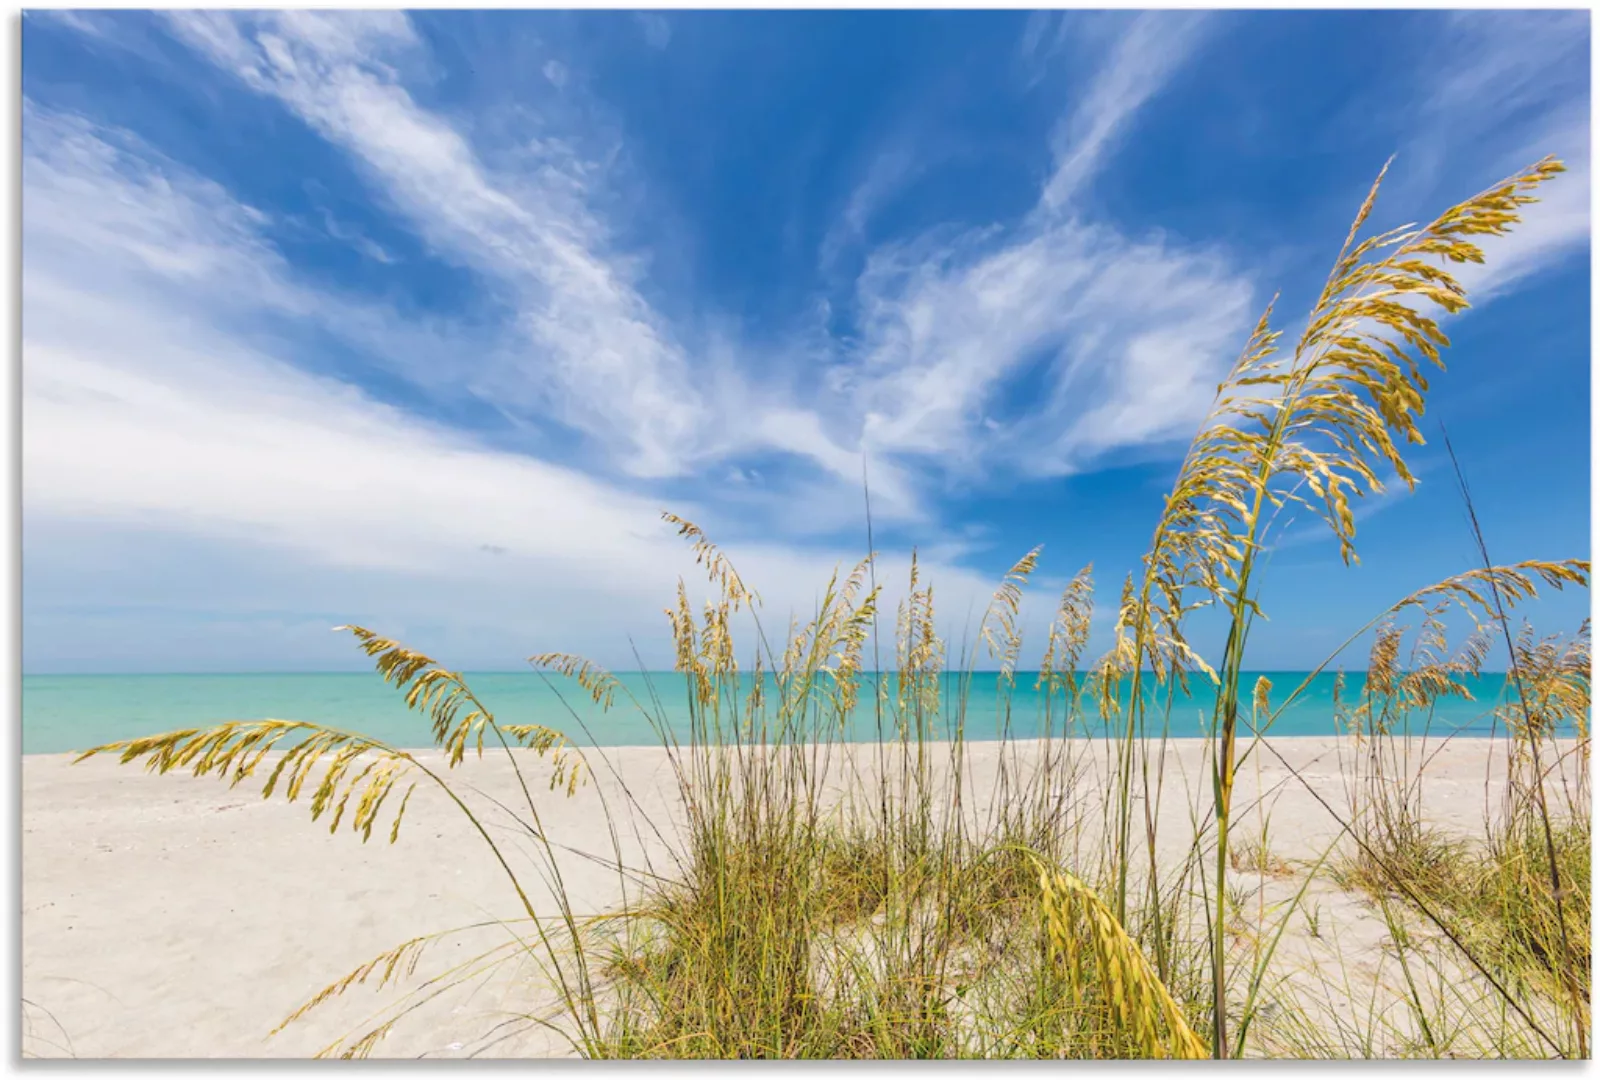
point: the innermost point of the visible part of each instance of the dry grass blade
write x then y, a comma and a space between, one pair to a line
919, 652
1322, 419
1555, 685
1262, 699
1069, 634
235, 750
999, 629
842, 634
717, 566
458, 717
1475, 589
706, 653
387, 965
1142, 1003
362, 1047
600, 683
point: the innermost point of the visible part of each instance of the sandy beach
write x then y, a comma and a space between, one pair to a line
172, 917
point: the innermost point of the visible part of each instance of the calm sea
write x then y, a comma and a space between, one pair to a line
73, 712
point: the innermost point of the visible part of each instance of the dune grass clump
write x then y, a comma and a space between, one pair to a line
873, 899
1520, 898
1507, 903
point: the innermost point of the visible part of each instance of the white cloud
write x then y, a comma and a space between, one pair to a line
1501, 62
1122, 337
1041, 349
1512, 88
656, 29
1041, 35
941, 337
888, 174
1035, 349
103, 205
1494, 92
228, 452
1126, 331
1143, 59
180, 228
600, 358
596, 355
88, 23
162, 442
355, 238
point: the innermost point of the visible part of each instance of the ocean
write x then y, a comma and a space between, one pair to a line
62, 713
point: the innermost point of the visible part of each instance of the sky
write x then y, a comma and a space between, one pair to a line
421, 321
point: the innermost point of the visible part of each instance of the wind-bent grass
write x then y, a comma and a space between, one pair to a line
873, 900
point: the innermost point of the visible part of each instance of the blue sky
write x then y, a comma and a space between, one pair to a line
421, 321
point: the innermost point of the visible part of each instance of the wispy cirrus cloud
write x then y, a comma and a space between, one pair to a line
160, 429
1040, 348
892, 168
104, 208
1034, 349
594, 353
1517, 84
600, 358
1117, 334
1505, 62
1141, 62
944, 327
654, 26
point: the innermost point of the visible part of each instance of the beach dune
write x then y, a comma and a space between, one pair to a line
174, 917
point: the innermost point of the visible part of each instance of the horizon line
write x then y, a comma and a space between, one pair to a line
865, 673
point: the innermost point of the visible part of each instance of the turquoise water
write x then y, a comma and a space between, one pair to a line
74, 712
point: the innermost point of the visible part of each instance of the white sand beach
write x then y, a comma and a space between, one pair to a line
172, 917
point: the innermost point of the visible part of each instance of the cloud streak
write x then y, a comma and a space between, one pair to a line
1041, 349
1518, 81
1143, 60
611, 367
1119, 332
150, 414
593, 352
